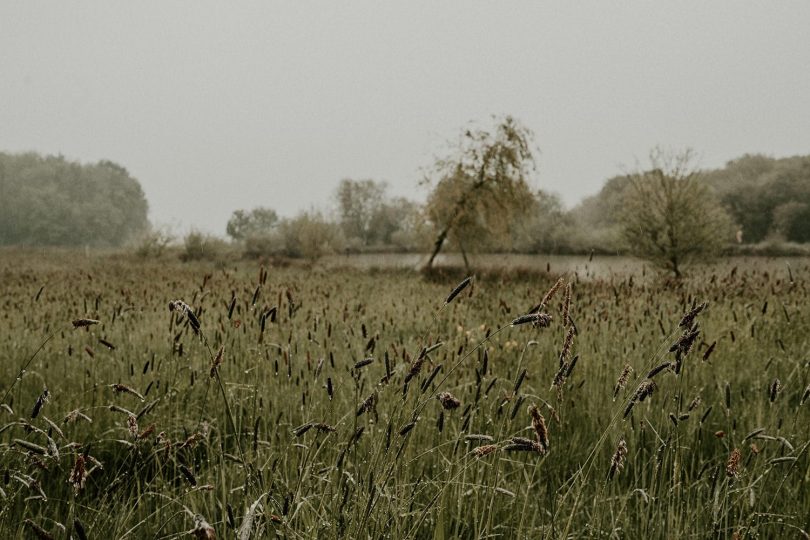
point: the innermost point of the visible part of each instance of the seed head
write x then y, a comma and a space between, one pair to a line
617, 462
733, 464
448, 401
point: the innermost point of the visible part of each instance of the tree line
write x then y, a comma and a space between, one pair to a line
480, 199
51, 201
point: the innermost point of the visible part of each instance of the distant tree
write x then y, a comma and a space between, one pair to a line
791, 221
399, 222
198, 246
153, 242
258, 222
542, 230
311, 236
595, 220
755, 190
482, 188
670, 217
359, 203
52, 201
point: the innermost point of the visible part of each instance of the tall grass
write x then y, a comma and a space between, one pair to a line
342, 404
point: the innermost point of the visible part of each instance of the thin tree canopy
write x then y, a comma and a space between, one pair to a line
670, 216
482, 187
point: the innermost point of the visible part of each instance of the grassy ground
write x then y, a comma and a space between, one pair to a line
293, 436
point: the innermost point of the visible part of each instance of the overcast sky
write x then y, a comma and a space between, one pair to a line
215, 106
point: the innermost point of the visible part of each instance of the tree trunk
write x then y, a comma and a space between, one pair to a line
437, 247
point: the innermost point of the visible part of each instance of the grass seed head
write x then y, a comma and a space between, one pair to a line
617, 461
448, 401
733, 463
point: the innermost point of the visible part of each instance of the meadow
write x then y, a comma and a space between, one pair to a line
160, 399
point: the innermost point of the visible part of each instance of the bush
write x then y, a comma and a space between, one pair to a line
154, 243
264, 245
198, 246
310, 236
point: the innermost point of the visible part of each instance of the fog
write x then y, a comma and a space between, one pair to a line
215, 107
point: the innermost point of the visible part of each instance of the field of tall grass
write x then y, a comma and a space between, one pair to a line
160, 399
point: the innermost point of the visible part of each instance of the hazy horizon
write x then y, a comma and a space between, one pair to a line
216, 108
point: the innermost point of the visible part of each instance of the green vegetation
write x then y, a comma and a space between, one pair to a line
303, 403
768, 198
54, 202
670, 218
482, 188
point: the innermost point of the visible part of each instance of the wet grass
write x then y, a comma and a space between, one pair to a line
291, 434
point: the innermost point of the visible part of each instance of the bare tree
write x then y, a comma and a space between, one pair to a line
670, 216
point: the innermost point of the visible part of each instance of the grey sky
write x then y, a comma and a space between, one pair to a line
215, 106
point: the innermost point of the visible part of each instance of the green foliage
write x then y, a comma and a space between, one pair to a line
290, 377
360, 203
482, 188
311, 236
258, 222
53, 201
670, 217
545, 227
154, 243
371, 219
198, 246
763, 196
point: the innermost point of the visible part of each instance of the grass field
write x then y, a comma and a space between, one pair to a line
269, 422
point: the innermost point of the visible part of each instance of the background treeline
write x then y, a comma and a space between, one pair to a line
50, 201
54, 201
767, 201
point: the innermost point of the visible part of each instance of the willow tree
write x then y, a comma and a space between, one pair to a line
670, 216
482, 189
